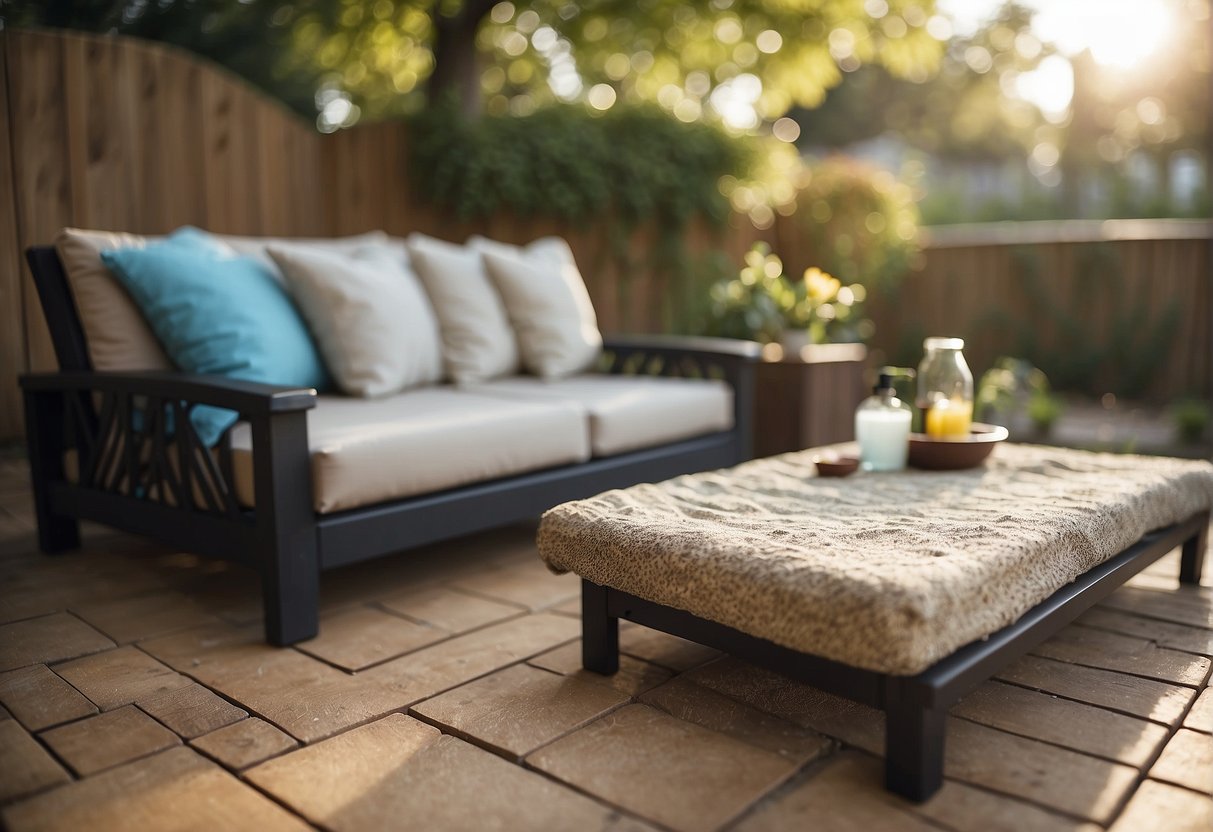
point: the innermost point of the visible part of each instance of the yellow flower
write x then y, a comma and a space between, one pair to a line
820, 286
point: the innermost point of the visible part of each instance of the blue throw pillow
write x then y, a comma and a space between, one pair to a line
216, 312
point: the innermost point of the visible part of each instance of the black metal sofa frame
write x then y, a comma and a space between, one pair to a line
916, 707
140, 468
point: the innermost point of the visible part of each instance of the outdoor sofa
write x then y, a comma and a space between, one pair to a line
298, 482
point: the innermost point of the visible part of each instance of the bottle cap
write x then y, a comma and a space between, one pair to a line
885, 382
937, 342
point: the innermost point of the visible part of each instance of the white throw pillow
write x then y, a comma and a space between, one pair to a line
370, 316
477, 341
547, 302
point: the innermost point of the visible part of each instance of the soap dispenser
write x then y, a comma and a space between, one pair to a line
882, 427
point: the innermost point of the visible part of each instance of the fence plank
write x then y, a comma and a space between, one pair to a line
13, 360
41, 167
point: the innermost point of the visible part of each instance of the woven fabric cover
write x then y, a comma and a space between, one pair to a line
888, 572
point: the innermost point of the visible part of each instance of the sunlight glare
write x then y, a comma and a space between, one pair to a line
1050, 86
1119, 33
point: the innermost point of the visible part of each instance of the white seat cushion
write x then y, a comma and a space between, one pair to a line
367, 451
630, 412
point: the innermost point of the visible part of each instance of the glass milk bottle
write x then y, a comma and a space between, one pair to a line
882, 427
945, 389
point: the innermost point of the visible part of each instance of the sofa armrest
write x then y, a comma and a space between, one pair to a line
133, 438
729, 360
728, 348
250, 398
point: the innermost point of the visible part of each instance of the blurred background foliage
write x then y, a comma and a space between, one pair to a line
990, 121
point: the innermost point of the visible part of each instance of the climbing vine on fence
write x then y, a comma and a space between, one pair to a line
631, 167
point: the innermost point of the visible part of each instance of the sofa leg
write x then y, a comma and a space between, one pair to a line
914, 742
46, 443
291, 596
1192, 559
286, 528
599, 631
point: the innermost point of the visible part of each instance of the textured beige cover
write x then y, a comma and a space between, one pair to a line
889, 572
118, 337
477, 341
630, 412
367, 451
550, 309
369, 315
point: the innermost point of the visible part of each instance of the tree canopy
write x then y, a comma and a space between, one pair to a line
745, 60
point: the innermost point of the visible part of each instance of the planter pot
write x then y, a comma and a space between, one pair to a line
808, 398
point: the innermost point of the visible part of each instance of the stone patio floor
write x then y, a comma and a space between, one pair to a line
445, 693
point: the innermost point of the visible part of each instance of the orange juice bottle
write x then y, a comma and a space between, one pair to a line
945, 389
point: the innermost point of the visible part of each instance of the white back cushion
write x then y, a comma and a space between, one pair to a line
547, 303
369, 315
477, 341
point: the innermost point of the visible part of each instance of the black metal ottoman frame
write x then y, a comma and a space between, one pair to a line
916, 707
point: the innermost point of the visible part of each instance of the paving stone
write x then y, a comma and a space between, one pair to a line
191, 711
1184, 605
634, 676
1064, 780
845, 795
695, 703
446, 609
1163, 633
662, 648
960, 806
569, 607
244, 743
1126, 654
39, 698
51, 638
362, 636
1187, 761
1161, 807
663, 769
1200, 718
374, 776
529, 584
119, 677
1074, 725
174, 791
25, 766
109, 739
126, 620
1158, 701
518, 709
434, 669
306, 698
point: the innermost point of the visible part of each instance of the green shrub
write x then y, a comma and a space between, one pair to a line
860, 223
1192, 418
1044, 409
634, 164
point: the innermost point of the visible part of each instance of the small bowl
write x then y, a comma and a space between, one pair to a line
841, 466
947, 454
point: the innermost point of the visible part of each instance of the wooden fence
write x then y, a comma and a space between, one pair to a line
1121, 306
120, 134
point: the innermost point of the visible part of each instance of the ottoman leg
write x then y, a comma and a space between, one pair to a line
599, 631
914, 737
1193, 557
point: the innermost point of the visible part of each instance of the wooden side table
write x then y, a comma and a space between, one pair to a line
807, 399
